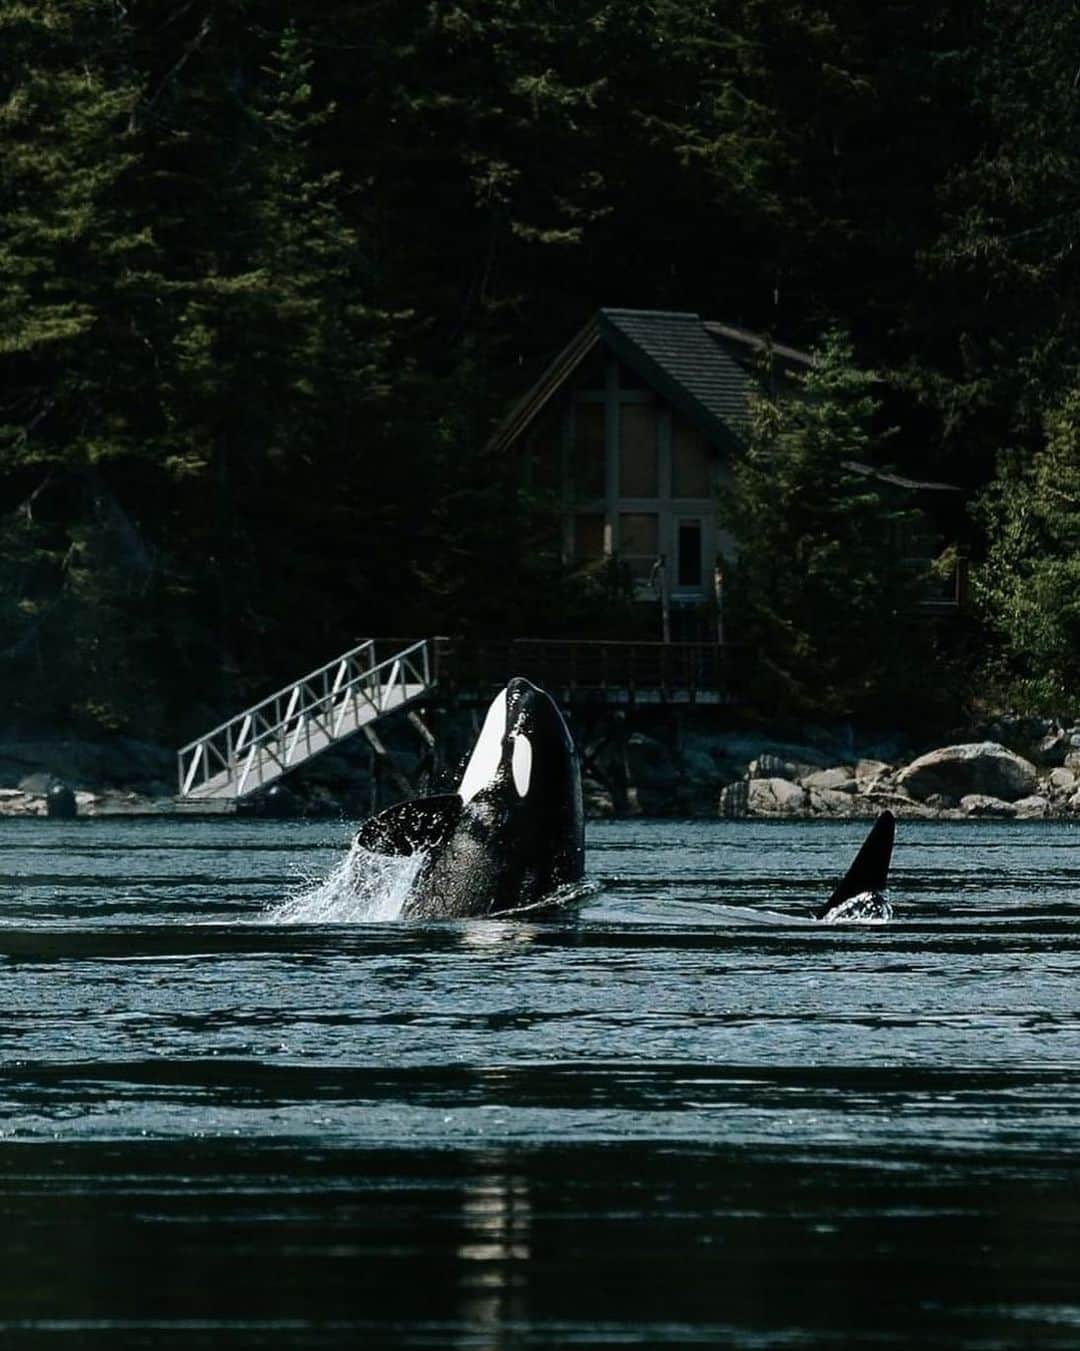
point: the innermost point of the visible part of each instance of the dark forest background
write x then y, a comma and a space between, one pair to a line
271, 273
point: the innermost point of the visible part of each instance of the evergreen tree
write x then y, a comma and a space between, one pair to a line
1029, 585
820, 596
76, 312
278, 369
1002, 337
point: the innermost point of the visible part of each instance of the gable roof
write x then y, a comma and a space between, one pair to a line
705, 370
675, 355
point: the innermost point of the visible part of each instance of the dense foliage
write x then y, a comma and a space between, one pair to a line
272, 272
1030, 583
823, 594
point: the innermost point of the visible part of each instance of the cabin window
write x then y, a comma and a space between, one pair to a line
589, 450
688, 569
637, 450
691, 462
588, 536
639, 541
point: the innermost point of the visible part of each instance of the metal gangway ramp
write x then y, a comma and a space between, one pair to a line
316, 712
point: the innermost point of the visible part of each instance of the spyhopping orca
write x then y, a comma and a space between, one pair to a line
861, 895
515, 829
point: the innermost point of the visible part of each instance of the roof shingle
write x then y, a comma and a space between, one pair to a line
705, 370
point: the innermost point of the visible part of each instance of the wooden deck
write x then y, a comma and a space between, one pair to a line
603, 672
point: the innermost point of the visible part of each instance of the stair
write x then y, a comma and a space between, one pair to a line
258, 746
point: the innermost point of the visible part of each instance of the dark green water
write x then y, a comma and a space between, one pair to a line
677, 1115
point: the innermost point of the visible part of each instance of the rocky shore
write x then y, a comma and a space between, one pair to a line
1018, 768
970, 779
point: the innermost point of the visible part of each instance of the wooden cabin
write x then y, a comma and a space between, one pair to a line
631, 429
630, 433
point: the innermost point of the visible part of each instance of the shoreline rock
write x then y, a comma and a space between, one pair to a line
983, 768
675, 768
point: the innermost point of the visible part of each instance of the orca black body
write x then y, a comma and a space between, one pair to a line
515, 829
861, 895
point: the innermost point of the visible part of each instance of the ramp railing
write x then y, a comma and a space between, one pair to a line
322, 708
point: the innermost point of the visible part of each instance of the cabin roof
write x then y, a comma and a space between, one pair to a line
702, 369
676, 355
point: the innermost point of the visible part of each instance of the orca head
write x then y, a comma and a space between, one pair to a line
524, 747
523, 777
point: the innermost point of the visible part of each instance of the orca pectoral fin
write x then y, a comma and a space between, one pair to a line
408, 827
870, 869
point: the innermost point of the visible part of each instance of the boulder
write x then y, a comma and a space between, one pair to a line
1031, 808
776, 797
900, 804
838, 780
1061, 781
982, 804
870, 771
981, 768
771, 766
832, 802
734, 800
16, 803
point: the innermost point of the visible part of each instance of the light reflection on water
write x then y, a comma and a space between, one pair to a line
242, 1105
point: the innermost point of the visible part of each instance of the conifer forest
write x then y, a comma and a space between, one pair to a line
272, 272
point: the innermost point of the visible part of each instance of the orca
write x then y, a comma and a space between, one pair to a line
512, 833
861, 894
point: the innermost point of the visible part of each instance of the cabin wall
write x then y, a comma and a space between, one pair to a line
634, 480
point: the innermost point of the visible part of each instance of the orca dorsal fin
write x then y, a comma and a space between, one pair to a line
870, 869
408, 827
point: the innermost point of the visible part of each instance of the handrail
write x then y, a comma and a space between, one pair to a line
299, 720
686, 668
285, 689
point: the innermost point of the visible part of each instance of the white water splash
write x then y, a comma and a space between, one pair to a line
364, 888
868, 907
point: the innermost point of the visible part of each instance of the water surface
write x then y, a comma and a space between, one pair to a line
679, 1113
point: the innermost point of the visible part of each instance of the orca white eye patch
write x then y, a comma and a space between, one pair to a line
521, 764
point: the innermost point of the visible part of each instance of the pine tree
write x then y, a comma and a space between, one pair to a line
278, 370
820, 595
75, 314
1028, 588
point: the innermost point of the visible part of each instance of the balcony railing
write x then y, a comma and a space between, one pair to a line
668, 670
